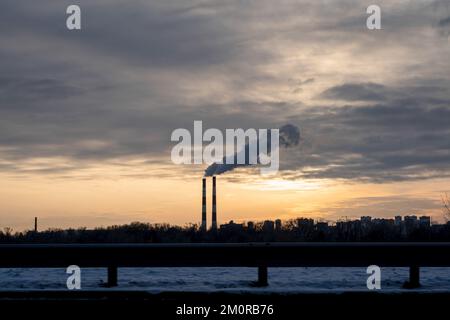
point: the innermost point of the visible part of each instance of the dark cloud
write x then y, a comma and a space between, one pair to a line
444, 22
356, 92
387, 141
139, 69
14, 90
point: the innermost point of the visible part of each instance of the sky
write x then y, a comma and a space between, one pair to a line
86, 116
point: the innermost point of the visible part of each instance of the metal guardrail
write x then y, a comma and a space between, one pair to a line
260, 255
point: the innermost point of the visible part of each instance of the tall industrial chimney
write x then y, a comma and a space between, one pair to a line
214, 209
204, 205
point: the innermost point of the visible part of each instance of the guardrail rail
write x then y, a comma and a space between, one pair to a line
258, 255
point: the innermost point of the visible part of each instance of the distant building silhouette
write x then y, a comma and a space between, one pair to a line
268, 226
278, 225
232, 227
409, 228
424, 221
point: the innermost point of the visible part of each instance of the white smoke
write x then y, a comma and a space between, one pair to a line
289, 136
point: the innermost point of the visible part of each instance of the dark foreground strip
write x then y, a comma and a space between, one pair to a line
143, 305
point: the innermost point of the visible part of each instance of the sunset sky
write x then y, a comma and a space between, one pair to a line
86, 116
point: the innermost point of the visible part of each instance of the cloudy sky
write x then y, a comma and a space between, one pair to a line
86, 116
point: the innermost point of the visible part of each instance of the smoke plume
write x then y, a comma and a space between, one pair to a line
289, 136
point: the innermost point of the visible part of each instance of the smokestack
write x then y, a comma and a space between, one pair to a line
204, 205
214, 209
35, 224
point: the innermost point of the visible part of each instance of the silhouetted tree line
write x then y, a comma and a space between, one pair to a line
289, 231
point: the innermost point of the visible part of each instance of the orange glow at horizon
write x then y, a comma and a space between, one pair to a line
118, 199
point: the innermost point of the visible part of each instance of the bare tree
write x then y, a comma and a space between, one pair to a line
446, 203
7, 231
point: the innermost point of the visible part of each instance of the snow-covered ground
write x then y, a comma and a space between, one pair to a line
224, 279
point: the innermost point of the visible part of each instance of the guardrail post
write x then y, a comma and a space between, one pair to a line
262, 277
414, 278
112, 276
